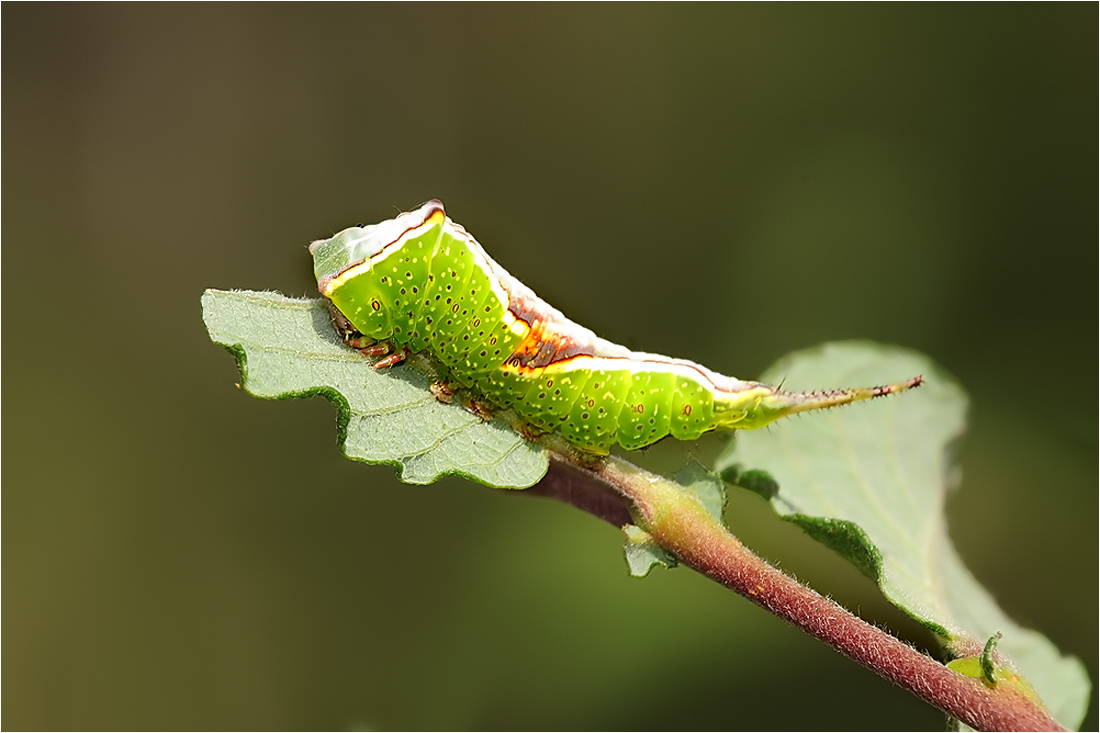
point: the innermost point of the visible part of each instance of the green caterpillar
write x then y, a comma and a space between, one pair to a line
421, 283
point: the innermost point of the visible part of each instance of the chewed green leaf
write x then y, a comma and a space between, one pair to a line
643, 553
287, 348
870, 481
706, 487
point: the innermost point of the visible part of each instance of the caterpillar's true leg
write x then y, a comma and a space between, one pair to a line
395, 358
365, 345
353, 338
348, 333
372, 349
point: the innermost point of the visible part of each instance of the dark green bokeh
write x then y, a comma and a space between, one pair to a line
723, 183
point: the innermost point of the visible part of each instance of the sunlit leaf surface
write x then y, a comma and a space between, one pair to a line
287, 348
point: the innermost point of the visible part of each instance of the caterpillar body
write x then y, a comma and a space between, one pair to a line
421, 283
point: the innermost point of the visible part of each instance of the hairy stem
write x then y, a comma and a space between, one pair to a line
683, 527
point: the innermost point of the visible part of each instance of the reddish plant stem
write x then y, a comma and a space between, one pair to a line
682, 526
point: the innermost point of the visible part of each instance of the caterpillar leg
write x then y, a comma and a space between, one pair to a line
347, 332
353, 337
481, 410
529, 431
367, 346
392, 360
443, 391
374, 349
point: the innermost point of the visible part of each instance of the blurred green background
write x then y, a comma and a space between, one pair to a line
722, 183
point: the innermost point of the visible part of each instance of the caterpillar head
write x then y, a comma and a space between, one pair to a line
356, 247
359, 270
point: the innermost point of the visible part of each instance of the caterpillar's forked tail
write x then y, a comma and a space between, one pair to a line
771, 404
